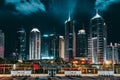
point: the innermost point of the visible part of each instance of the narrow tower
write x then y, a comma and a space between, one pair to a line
69, 39
1, 44
21, 44
35, 44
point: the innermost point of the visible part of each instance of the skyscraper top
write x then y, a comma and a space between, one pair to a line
97, 15
69, 17
35, 30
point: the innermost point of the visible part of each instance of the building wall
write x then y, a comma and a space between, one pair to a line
35, 44
2, 44
69, 40
21, 44
81, 44
97, 40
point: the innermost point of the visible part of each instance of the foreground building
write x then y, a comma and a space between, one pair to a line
97, 41
34, 44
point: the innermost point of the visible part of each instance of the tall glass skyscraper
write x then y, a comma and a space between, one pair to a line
81, 44
34, 44
97, 41
54, 46
70, 40
45, 46
2, 44
21, 44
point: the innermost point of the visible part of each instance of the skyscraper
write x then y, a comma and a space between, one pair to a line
113, 53
97, 41
81, 44
35, 44
45, 46
2, 44
54, 46
70, 40
21, 44
61, 47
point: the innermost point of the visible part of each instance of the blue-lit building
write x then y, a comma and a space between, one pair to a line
21, 44
54, 46
50, 46
97, 40
70, 40
45, 46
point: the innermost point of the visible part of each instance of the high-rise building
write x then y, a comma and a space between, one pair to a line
2, 44
97, 41
61, 47
70, 40
113, 53
21, 44
45, 46
54, 46
81, 44
35, 44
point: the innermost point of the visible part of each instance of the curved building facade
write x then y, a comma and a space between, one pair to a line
34, 44
97, 41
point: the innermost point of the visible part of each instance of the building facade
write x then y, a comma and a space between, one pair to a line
81, 43
113, 53
61, 47
70, 40
34, 44
54, 46
45, 46
21, 44
2, 39
97, 40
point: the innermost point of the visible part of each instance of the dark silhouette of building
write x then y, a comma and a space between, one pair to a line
21, 44
81, 44
70, 40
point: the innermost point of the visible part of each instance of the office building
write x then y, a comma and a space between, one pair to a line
21, 44
54, 46
45, 46
61, 47
34, 44
81, 44
97, 40
70, 40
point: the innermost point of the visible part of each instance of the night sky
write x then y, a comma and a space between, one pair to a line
50, 15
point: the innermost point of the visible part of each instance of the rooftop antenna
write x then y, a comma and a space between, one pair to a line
83, 27
96, 11
69, 17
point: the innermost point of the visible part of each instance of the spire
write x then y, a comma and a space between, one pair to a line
97, 15
96, 11
69, 17
83, 26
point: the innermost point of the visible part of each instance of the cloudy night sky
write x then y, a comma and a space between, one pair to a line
48, 14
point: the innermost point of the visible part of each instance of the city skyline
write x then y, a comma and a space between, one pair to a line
48, 17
